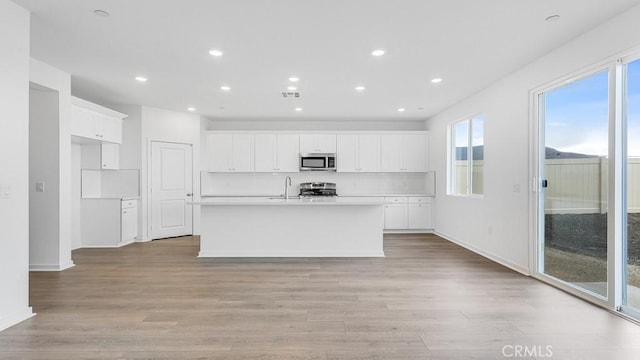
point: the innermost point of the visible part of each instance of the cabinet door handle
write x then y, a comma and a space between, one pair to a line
189, 194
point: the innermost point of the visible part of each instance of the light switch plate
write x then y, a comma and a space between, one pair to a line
5, 191
39, 187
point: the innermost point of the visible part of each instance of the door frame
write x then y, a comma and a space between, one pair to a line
536, 171
149, 181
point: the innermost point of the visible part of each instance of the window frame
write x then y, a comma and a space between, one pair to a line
451, 156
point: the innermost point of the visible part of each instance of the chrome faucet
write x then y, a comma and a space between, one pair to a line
287, 183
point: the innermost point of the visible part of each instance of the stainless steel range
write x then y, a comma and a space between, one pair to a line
312, 189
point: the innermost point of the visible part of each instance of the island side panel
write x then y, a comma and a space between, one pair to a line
292, 231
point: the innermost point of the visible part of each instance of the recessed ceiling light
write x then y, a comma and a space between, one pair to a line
292, 88
436, 80
294, 79
215, 52
298, 109
378, 52
102, 13
552, 18
225, 88
360, 88
401, 110
141, 78
192, 109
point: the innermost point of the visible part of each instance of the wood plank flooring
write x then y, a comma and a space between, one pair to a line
428, 299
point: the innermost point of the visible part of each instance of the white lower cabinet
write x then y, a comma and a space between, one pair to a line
129, 220
408, 213
108, 222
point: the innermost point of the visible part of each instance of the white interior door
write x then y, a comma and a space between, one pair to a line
171, 190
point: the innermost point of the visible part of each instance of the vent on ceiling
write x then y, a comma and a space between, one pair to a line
291, 94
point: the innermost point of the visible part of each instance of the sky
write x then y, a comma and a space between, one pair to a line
576, 115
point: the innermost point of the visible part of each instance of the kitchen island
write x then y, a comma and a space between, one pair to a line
295, 227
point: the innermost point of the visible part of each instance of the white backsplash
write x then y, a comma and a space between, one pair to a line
110, 183
348, 184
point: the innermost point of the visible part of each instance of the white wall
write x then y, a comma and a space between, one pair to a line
168, 126
53, 152
14, 164
44, 214
497, 225
76, 203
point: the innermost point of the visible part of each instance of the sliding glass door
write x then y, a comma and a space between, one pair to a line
573, 162
631, 237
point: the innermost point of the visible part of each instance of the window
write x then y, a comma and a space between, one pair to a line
466, 157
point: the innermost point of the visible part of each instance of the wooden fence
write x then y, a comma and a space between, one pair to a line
575, 186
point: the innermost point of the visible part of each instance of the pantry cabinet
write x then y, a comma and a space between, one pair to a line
403, 153
231, 152
276, 153
358, 153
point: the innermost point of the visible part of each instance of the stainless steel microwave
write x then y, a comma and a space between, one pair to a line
317, 162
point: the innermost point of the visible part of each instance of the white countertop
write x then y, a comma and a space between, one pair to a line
112, 198
275, 195
253, 201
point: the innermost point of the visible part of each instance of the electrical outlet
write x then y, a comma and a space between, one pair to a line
516, 188
5, 191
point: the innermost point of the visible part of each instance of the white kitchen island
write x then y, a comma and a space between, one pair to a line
275, 227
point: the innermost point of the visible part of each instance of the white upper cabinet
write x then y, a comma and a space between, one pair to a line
230, 152
100, 156
415, 153
318, 143
276, 153
358, 153
404, 153
95, 122
280, 152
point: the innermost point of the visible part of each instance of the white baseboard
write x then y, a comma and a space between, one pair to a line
16, 318
414, 231
291, 254
52, 267
488, 255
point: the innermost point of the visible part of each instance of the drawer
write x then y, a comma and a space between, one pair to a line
396, 199
126, 204
420, 200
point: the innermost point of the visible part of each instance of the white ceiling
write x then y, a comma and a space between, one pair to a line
468, 43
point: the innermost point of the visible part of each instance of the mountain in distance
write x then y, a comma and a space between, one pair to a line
550, 153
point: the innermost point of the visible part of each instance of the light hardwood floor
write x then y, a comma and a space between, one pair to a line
428, 299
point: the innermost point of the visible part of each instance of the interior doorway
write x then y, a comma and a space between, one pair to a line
171, 189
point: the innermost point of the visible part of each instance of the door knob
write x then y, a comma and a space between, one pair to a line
189, 194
